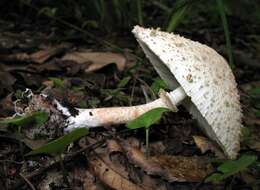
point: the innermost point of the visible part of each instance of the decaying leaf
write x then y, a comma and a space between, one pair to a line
7, 80
96, 60
136, 157
6, 106
112, 178
113, 146
182, 168
52, 179
171, 168
38, 57
118, 173
90, 183
43, 55
205, 144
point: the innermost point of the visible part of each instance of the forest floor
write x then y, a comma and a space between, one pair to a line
85, 70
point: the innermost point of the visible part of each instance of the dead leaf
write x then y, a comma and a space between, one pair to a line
43, 55
15, 57
113, 146
96, 60
137, 158
77, 176
38, 57
133, 142
7, 106
90, 183
119, 173
181, 168
204, 144
171, 168
53, 178
111, 178
7, 80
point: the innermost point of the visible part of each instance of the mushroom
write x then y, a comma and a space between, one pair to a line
203, 81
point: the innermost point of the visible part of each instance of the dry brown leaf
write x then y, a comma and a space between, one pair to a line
96, 60
38, 57
132, 141
15, 57
6, 106
204, 144
90, 183
113, 146
43, 55
171, 168
136, 157
110, 177
7, 80
119, 173
181, 168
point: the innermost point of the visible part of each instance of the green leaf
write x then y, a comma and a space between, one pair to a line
123, 82
214, 177
36, 119
59, 145
257, 113
57, 81
255, 91
147, 119
177, 15
158, 84
232, 167
139, 5
246, 137
51, 12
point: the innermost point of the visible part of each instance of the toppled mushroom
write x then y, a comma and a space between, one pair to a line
203, 83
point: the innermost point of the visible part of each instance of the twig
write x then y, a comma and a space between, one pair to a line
12, 161
27, 181
132, 92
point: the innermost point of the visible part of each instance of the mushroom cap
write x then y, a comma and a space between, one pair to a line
206, 79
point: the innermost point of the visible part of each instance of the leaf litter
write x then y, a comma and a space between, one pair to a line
175, 160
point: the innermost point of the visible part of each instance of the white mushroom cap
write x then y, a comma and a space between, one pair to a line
205, 77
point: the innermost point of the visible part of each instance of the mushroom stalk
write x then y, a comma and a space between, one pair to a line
117, 115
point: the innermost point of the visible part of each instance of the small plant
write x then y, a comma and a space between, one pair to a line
146, 121
35, 119
58, 146
57, 82
158, 84
231, 167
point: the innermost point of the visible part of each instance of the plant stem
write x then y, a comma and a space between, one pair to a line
226, 32
64, 172
139, 12
147, 151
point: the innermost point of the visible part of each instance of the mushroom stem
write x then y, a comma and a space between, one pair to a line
117, 115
